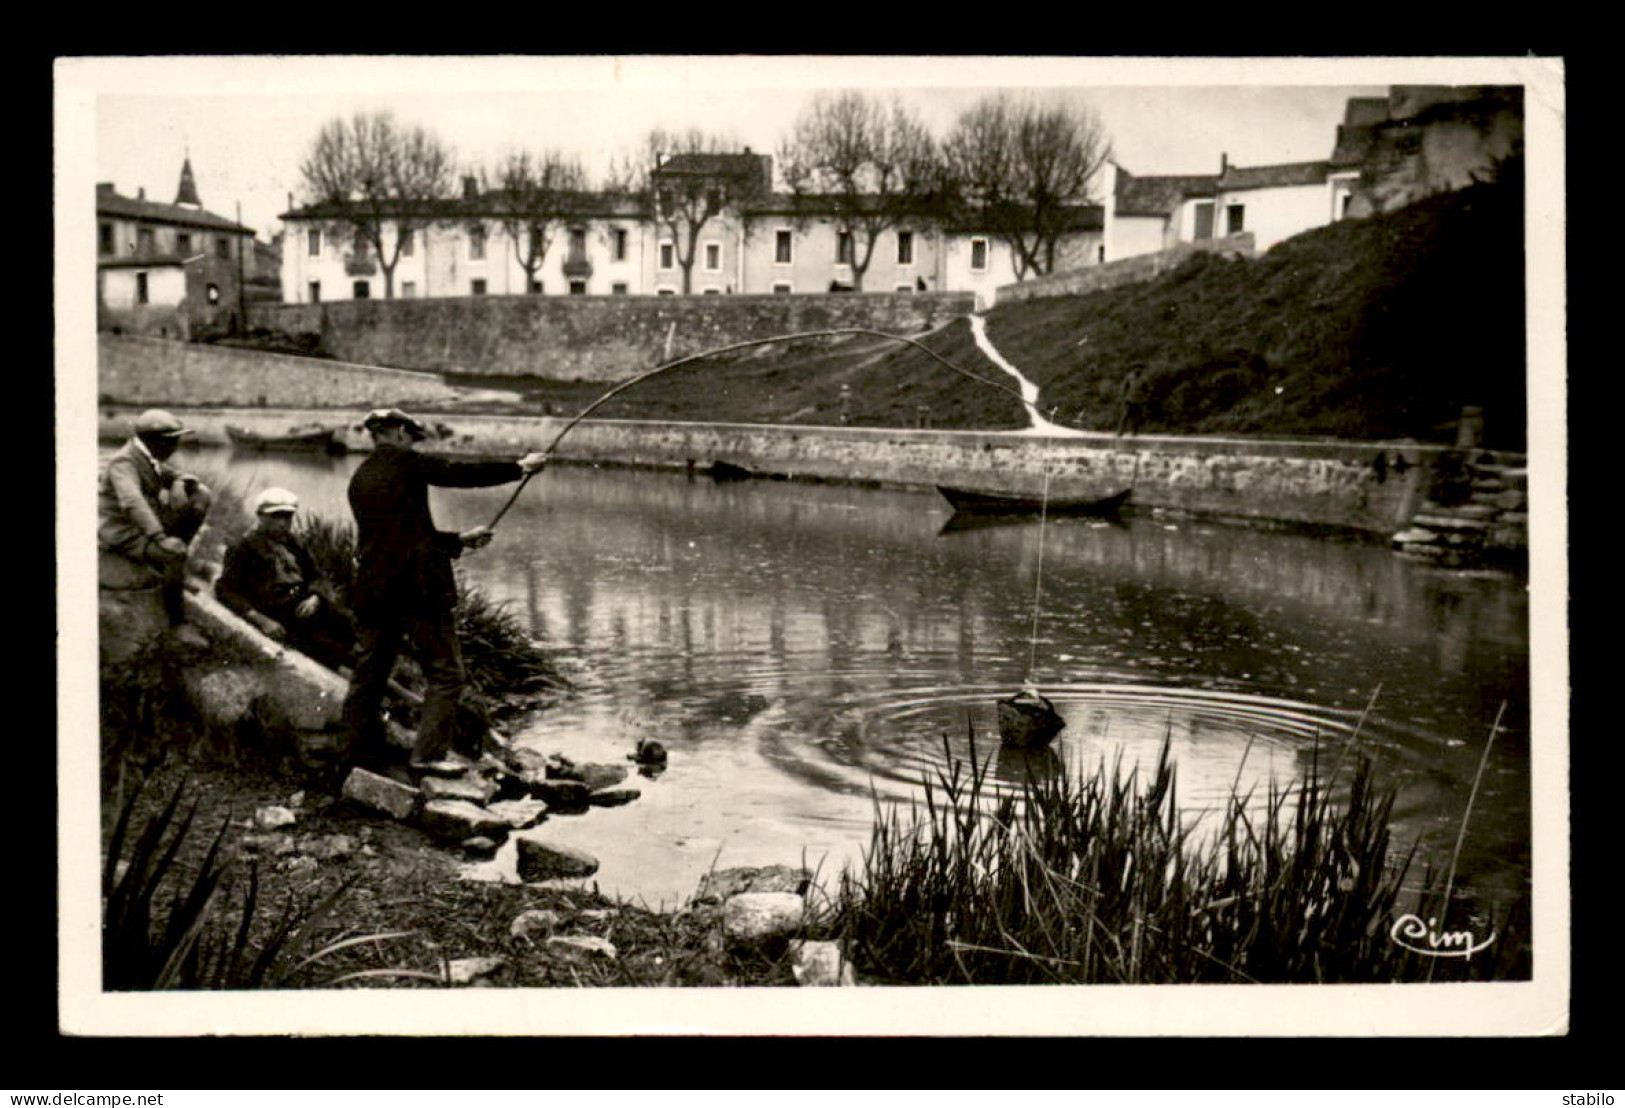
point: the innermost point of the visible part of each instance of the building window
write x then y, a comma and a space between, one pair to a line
140, 288
315, 292
904, 288
407, 242
409, 290
1235, 216
578, 288
536, 288
361, 290
618, 288
578, 242
106, 245
781, 288
668, 255
713, 257
222, 247
783, 253
618, 243
711, 290
978, 255
212, 294
183, 243
313, 243
843, 247
905, 248
477, 286
146, 242
476, 243
665, 290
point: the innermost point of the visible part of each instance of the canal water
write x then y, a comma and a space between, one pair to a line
807, 651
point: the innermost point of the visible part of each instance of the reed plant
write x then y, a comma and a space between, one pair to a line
1102, 879
164, 928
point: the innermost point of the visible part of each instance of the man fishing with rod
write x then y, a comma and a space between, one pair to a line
404, 581
405, 589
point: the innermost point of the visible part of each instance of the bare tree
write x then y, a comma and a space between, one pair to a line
529, 197
366, 172
1023, 167
874, 164
689, 179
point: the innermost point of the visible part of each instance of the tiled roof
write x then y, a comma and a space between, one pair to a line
111, 203
1353, 144
1159, 195
1362, 111
1079, 217
145, 261
1273, 176
713, 165
491, 205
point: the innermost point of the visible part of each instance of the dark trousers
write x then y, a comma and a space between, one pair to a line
327, 635
379, 636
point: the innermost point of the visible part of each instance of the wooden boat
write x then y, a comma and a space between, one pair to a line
1028, 721
994, 503
296, 440
727, 471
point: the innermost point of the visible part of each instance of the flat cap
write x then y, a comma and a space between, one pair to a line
274, 500
394, 417
156, 421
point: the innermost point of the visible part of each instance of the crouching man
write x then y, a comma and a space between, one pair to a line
149, 512
270, 579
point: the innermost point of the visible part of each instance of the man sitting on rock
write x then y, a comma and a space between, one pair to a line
149, 512
270, 579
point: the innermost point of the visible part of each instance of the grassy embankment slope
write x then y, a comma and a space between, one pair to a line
1366, 329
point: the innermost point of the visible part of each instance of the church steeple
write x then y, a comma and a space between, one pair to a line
187, 196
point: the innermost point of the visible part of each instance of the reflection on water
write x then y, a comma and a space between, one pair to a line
802, 649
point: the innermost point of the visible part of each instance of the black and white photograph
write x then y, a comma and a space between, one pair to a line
740, 545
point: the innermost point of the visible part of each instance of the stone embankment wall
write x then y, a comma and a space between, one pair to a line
594, 338
1323, 484
1340, 485
145, 372
1126, 271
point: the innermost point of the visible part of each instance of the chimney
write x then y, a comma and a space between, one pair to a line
1224, 164
471, 188
141, 193
104, 188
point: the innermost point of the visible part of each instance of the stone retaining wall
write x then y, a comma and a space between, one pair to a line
146, 372
1124, 271
1320, 484
595, 338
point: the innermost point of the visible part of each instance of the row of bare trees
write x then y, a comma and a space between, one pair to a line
1016, 166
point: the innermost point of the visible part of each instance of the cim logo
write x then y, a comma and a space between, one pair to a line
1423, 938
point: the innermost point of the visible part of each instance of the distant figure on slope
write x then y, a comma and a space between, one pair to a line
149, 511
404, 587
270, 579
1131, 401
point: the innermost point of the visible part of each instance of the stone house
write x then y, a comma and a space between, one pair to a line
1387, 152
167, 269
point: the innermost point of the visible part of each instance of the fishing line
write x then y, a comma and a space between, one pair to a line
624, 385
1038, 581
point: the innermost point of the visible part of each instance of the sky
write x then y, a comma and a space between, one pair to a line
246, 122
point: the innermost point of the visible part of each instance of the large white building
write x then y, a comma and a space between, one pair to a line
609, 245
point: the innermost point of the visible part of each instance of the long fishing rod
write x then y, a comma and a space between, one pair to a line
624, 385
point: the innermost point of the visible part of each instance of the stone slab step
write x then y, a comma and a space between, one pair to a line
1449, 523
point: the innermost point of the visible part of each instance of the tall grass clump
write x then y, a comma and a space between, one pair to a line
168, 923
1101, 879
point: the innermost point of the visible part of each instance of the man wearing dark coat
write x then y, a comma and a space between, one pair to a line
270, 579
404, 586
